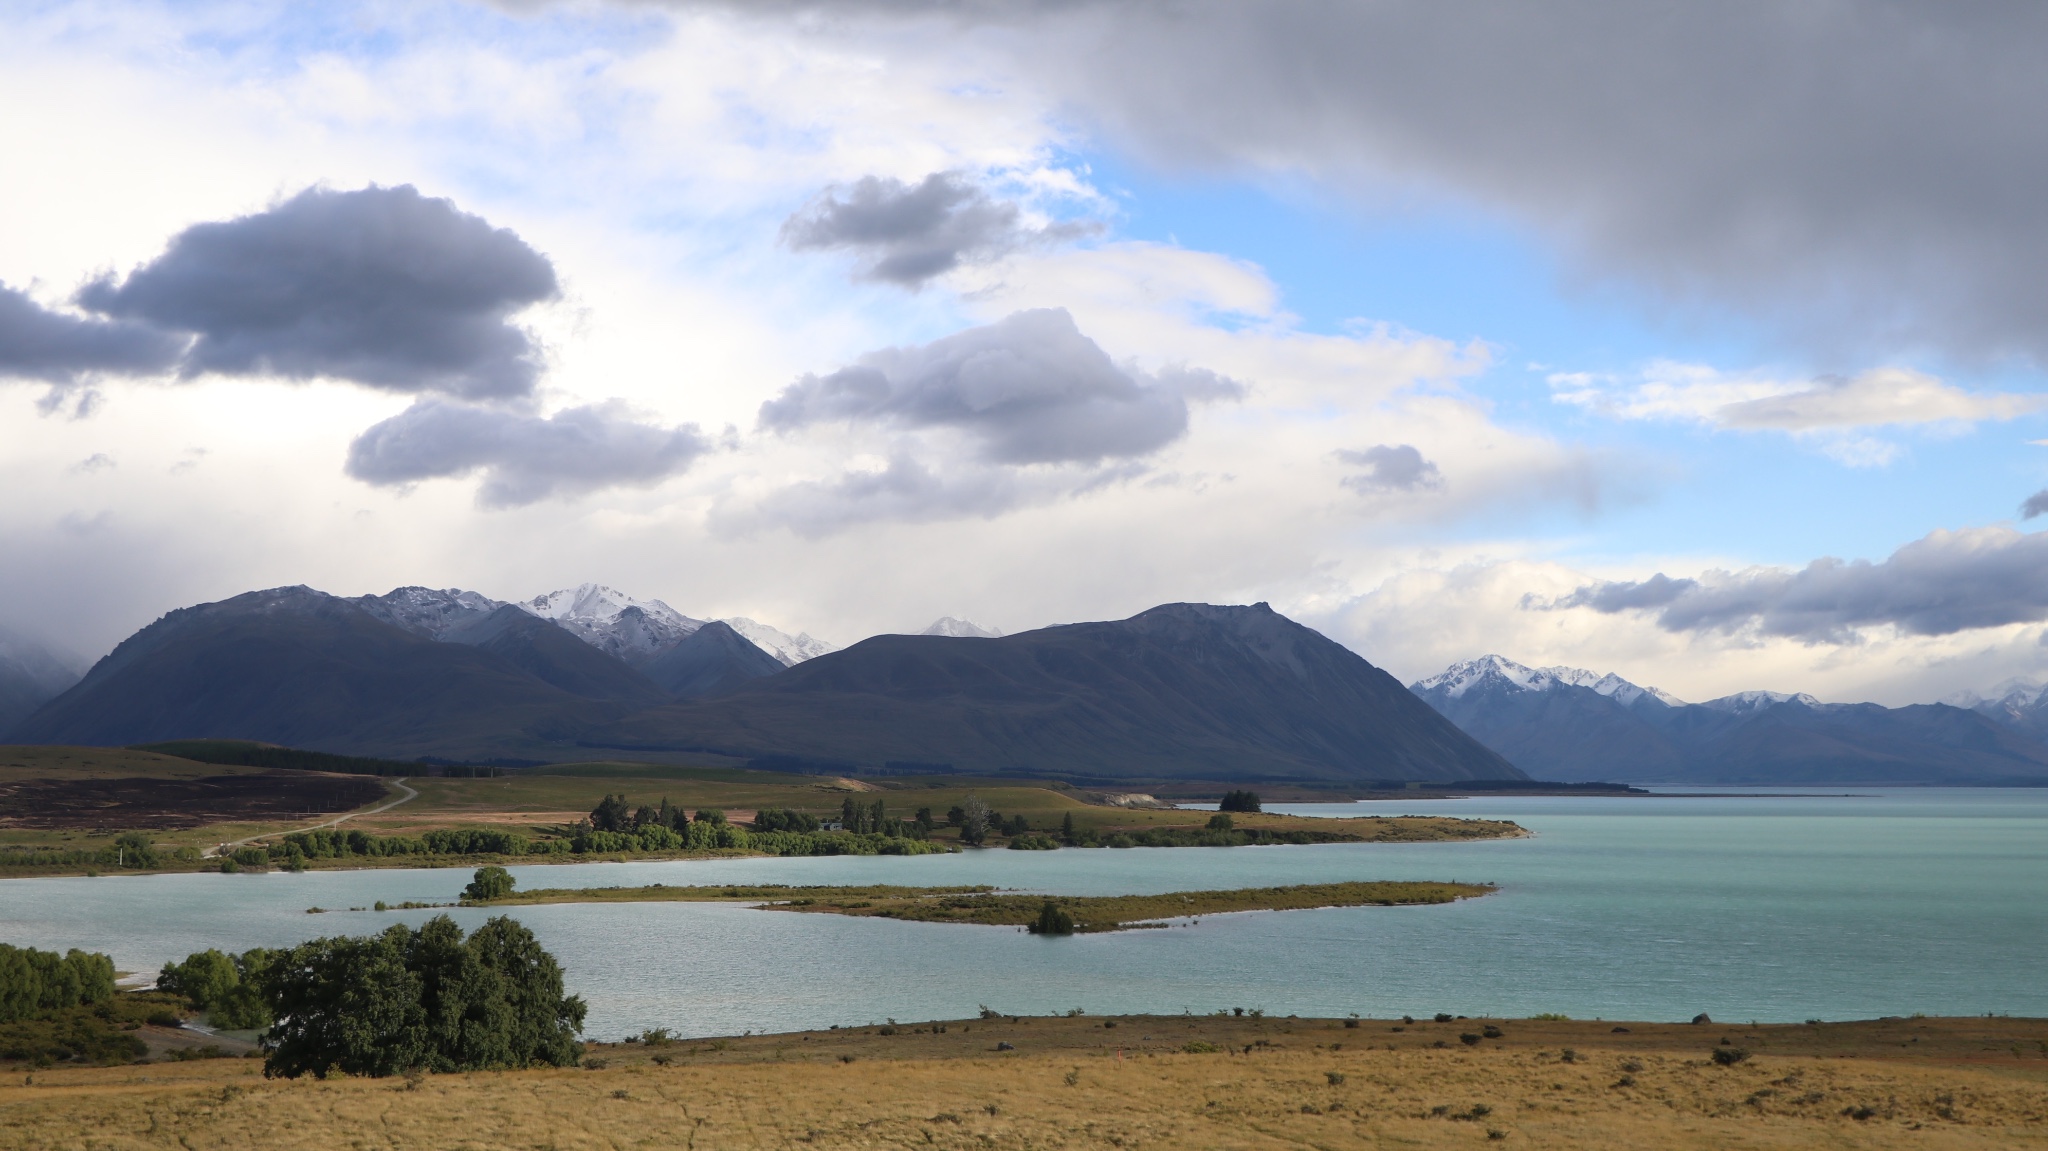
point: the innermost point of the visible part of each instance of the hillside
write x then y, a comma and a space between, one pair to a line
295, 666
1181, 691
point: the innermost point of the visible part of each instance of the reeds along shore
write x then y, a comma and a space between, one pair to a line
1175, 1081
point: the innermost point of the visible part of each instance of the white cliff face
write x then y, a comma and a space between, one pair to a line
790, 649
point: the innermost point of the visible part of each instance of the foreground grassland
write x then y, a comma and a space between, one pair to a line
105, 789
1130, 1082
989, 907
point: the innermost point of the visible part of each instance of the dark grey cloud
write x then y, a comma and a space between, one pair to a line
1390, 468
37, 343
380, 286
523, 458
906, 234
1943, 583
1028, 389
1862, 175
2034, 505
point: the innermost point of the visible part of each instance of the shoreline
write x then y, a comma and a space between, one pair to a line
1403, 829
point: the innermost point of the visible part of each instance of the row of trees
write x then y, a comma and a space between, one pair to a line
427, 999
34, 983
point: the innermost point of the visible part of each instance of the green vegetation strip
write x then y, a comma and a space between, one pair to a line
990, 907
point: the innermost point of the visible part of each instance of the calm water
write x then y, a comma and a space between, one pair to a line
1773, 908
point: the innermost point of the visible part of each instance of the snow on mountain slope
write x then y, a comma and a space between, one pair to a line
790, 649
614, 622
1751, 702
960, 629
1500, 671
428, 611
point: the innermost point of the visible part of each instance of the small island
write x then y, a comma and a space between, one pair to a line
988, 906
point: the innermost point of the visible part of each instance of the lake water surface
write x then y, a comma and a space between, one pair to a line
1771, 908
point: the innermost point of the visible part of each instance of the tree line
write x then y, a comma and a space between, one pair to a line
34, 983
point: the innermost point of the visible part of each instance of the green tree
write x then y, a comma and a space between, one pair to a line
1221, 821
610, 814
1240, 801
487, 884
974, 819
420, 999
133, 849
1053, 920
34, 983
1067, 828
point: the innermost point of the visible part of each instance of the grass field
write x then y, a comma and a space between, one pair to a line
546, 800
988, 907
1129, 1082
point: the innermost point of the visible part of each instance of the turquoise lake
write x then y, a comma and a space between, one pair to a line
1772, 908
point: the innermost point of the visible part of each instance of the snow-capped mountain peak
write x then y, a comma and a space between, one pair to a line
614, 622
1500, 671
428, 611
960, 629
790, 649
1751, 702
1488, 670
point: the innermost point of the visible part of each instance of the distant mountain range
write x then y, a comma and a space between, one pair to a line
30, 675
1181, 691
1568, 724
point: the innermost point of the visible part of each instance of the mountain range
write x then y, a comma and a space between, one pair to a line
1181, 691
1568, 724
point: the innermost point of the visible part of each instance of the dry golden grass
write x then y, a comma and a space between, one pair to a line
1972, 1083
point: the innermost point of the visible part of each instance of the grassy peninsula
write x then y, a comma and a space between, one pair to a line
990, 907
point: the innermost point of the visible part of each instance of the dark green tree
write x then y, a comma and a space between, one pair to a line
1067, 828
487, 884
1053, 920
611, 814
425, 999
34, 983
1221, 821
1241, 801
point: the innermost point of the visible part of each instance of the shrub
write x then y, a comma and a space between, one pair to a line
1221, 821
1729, 1056
489, 883
251, 858
1034, 843
1053, 920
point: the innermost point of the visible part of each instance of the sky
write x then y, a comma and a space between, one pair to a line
1699, 343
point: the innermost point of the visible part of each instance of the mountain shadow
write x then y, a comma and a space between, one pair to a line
1183, 691
298, 667
709, 661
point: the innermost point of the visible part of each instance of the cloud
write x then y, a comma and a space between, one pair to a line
903, 491
39, 344
380, 286
1390, 468
906, 234
1857, 176
1945, 582
1877, 398
523, 458
2034, 505
1027, 389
